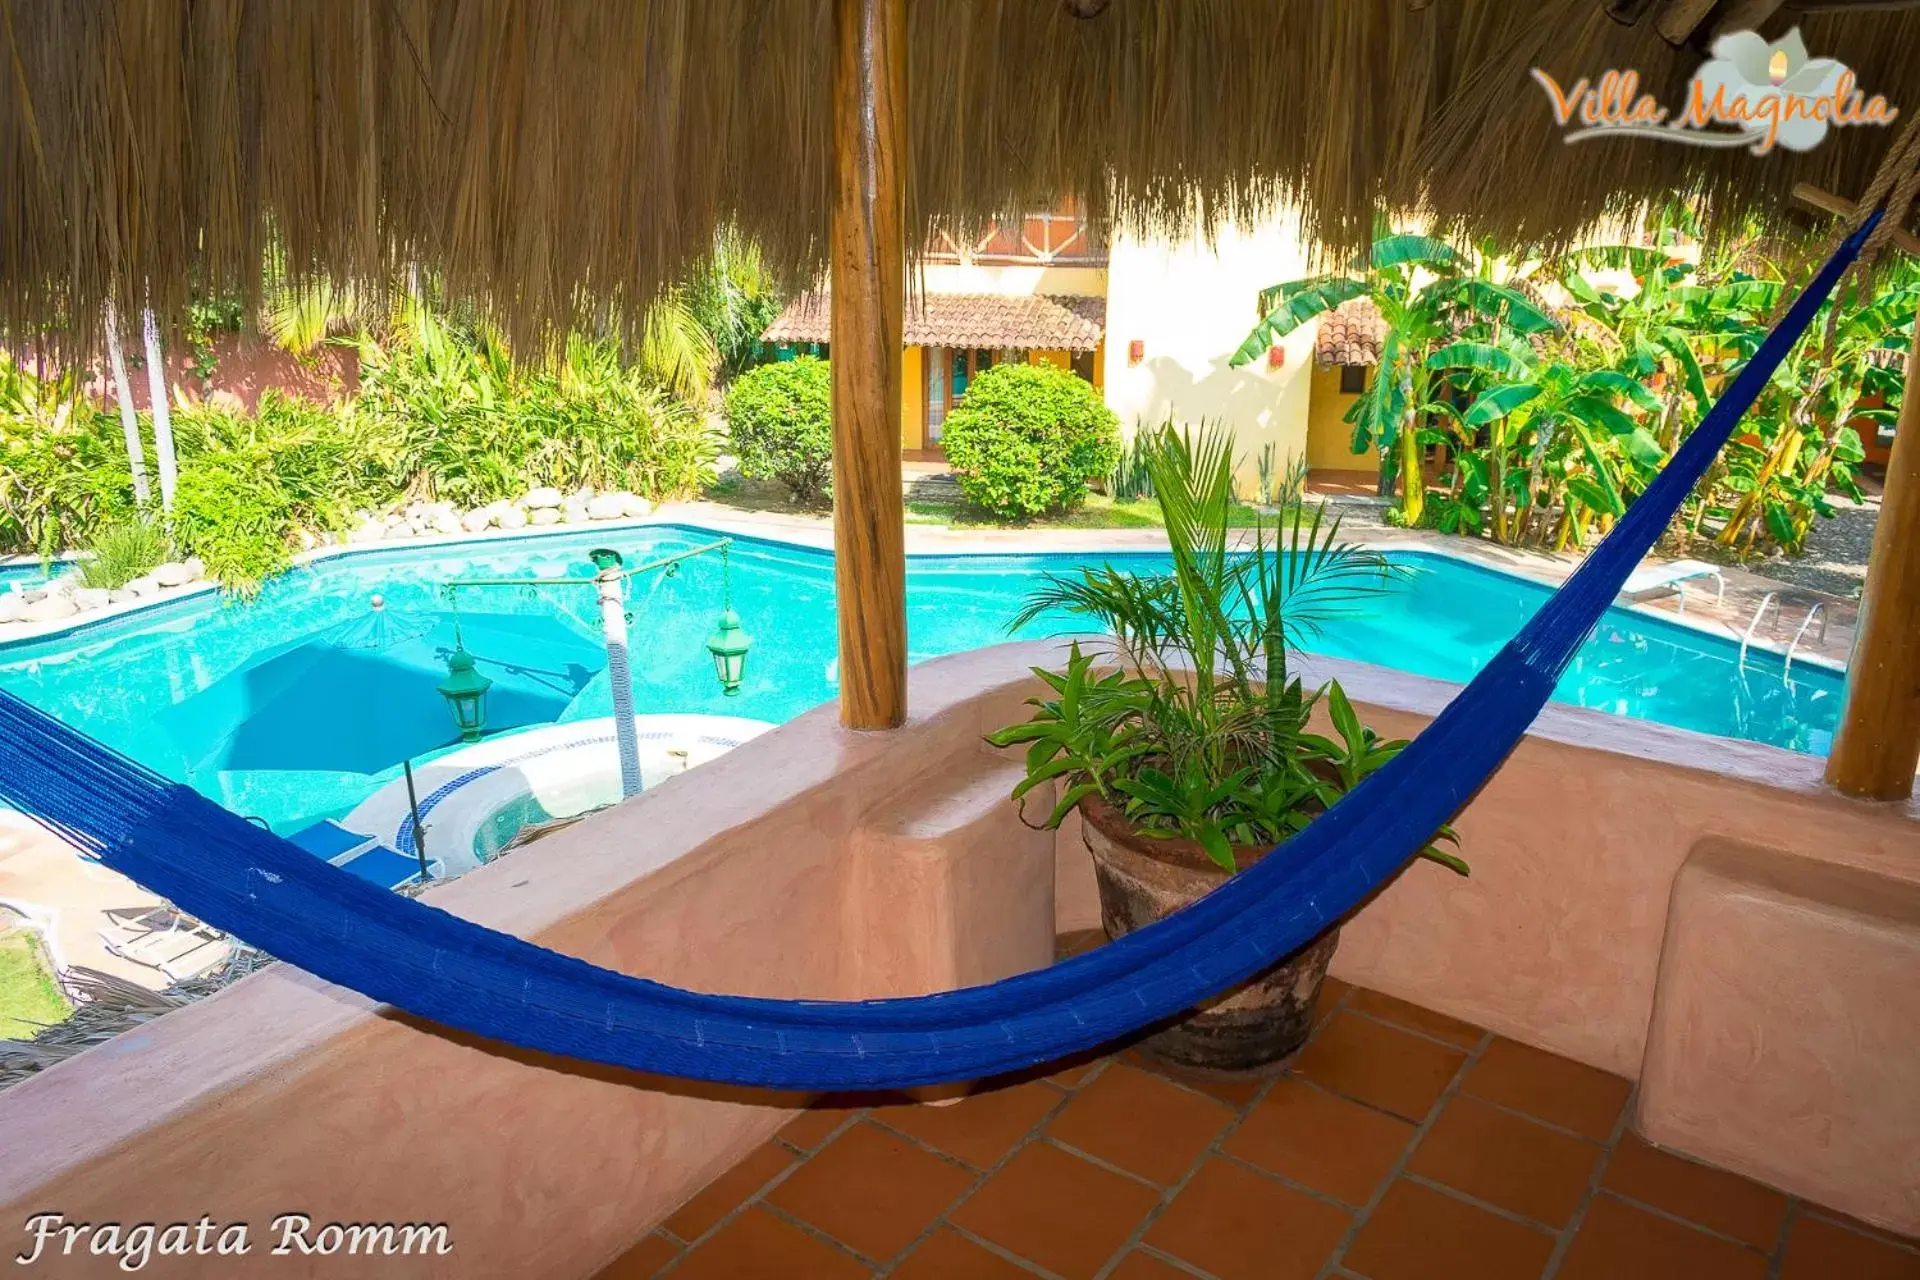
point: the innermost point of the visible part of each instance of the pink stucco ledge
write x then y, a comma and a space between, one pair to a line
815, 861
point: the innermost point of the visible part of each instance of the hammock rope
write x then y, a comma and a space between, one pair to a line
256, 886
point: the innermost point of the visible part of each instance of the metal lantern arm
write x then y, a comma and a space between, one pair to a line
728, 645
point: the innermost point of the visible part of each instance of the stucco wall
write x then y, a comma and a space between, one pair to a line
245, 365
913, 398
1329, 437
1191, 305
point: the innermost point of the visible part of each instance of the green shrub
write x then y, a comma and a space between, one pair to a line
1026, 439
123, 552
63, 465
781, 419
452, 417
250, 483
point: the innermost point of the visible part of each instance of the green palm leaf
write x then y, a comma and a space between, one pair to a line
1293, 310
1478, 357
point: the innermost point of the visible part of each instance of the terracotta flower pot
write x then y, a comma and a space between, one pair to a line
1255, 1025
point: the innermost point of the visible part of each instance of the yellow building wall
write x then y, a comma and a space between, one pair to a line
1190, 306
1058, 359
1328, 435
913, 398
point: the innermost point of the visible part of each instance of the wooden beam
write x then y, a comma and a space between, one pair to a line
1744, 15
1807, 193
1878, 746
1678, 19
868, 278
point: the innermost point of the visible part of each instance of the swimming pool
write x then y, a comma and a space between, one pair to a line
20, 574
182, 687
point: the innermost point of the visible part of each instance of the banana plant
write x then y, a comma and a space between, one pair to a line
1806, 442
1567, 424
1426, 292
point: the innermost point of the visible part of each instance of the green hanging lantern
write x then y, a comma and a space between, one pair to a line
465, 690
729, 644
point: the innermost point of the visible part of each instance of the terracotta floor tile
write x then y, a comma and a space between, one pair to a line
1144, 1266
1058, 1210
1438, 1025
1711, 1197
1380, 1065
1238, 1225
1235, 1091
1077, 1070
872, 1190
1332, 992
1507, 1160
1326, 1142
643, 1260
948, 1255
756, 1244
1557, 1090
814, 1126
725, 1193
1418, 1233
1821, 1250
1141, 1123
981, 1129
1618, 1240
1863, 1228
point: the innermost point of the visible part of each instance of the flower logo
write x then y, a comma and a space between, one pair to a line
1750, 93
1753, 85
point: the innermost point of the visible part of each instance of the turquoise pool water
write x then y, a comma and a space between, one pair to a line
21, 573
122, 680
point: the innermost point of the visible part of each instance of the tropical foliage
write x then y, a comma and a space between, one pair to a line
1192, 723
443, 412
123, 552
1026, 439
1429, 293
1555, 414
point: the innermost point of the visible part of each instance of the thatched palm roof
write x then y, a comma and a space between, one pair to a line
549, 156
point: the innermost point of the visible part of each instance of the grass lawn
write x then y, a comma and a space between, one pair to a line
29, 997
1098, 512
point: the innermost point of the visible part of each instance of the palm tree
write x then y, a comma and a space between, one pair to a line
162, 412
300, 317
676, 350
735, 296
1426, 292
129, 424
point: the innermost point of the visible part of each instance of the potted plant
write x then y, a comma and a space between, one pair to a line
1189, 747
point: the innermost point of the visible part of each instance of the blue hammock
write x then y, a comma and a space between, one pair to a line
276, 896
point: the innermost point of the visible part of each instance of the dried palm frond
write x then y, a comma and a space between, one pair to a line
547, 159
106, 1005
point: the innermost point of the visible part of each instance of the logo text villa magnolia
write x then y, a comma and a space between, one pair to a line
1749, 94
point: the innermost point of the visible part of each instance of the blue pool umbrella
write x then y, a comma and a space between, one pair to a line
361, 696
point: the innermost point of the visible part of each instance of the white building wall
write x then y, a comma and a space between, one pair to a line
1191, 305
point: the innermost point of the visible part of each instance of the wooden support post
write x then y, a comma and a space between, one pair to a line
1878, 746
868, 289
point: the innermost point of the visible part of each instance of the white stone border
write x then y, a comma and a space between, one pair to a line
569, 768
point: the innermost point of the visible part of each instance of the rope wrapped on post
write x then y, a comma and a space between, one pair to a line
275, 896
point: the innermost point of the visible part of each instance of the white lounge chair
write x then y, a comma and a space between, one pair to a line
176, 944
1672, 575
